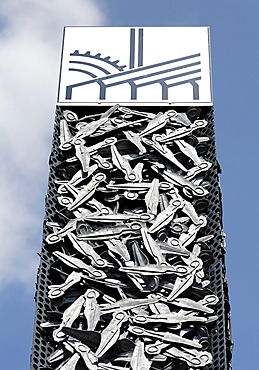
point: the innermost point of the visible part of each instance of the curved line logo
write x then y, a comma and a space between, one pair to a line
142, 72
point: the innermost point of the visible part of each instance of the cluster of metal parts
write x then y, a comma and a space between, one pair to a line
130, 244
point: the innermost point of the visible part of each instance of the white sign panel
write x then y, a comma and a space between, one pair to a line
136, 66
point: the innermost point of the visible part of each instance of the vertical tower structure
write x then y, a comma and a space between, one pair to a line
132, 269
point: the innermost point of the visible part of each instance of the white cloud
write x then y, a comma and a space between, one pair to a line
30, 44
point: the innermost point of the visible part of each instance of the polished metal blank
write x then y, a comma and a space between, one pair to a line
128, 242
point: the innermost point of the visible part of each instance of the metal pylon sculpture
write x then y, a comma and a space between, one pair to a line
132, 264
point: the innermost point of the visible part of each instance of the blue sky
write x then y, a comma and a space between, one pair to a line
30, 42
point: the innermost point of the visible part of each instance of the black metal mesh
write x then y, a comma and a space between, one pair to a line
43, 344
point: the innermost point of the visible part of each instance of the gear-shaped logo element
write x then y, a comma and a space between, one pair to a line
94, 65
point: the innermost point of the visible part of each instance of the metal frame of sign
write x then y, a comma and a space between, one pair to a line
135, 66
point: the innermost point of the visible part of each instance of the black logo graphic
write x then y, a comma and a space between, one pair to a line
107, 74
